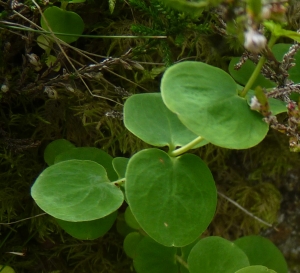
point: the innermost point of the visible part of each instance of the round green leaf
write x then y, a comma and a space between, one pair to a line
244, 73
6, 269
93, 154
120, 165
88, 230
152, 257
76, 191
173, 199
205, 99
131, 242
146, 116
216, 255
261, 251
63, 21
55, 148
255, 269
130, 219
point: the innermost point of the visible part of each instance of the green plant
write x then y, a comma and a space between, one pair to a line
171, 194
59, 20
6, 269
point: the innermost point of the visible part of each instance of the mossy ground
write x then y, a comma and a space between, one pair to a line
30, 119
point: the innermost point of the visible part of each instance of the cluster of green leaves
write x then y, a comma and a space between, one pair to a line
171, 195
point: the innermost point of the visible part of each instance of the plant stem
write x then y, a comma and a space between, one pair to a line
64, 5
186, 147
119, 181
181, 261
41, 214
82, 35
246, 211
257, 68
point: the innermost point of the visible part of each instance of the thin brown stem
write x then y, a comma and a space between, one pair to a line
246, 211
11, 223
181, 261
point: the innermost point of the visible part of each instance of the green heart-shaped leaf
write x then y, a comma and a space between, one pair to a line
120, 165
76, 191
261, 251
255, 269
88, 230
216, 255
55, 148
63, 21
151, 257
146, 116
206, 101
131, 242
173, 199
93, 154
